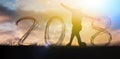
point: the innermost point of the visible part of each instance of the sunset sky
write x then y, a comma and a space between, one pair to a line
43, 9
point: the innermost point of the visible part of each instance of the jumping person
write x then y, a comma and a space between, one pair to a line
76, 22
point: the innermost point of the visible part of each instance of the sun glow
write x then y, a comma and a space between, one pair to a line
91, 7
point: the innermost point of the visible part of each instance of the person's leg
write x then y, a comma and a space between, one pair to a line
78, 38
82, 44
71, 39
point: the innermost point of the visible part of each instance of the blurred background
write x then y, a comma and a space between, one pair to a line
42, 10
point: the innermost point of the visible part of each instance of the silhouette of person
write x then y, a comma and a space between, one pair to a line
76, 22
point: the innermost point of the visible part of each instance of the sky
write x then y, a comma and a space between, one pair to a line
110, 8
8, 3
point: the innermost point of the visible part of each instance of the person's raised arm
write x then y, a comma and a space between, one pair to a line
66, 7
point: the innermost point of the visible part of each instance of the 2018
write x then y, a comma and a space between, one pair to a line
61, 38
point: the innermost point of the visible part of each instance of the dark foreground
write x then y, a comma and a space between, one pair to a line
58, 52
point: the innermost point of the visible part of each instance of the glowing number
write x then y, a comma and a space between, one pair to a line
22, 39
101, 30
47, 38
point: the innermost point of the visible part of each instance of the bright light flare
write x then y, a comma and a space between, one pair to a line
91, 7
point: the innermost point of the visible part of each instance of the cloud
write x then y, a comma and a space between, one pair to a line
7, 26
7, 12
9, 3
36, 5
